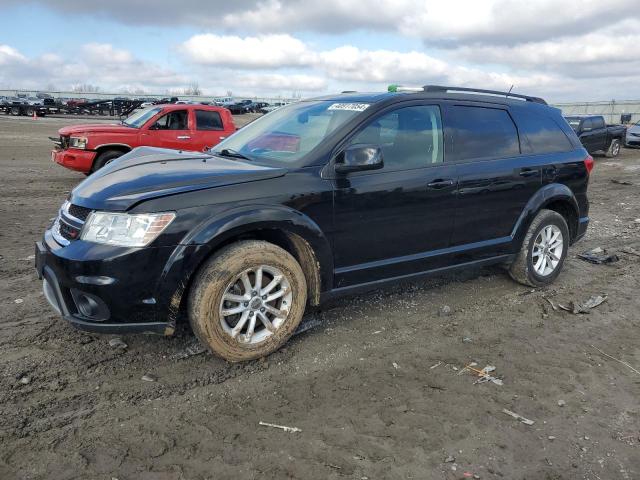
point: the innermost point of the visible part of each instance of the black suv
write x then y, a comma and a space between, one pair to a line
317, 199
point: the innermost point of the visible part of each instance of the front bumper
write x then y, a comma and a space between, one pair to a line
104, 290
74, 159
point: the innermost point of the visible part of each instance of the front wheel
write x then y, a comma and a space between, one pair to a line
104, 158
247, 300
614, 148
543, 250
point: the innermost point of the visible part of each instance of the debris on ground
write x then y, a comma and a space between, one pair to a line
395, 365
620, 182
598, 256
526, 421
194, 348
483, 374
561, 403
25, 380
281, 427
18, 301
592, 302
445, 310
117, 342
450, 459
149, 378
553, 305
630, 251
435, 366
617, 360
467, 340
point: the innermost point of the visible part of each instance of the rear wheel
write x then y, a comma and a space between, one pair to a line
614, 148
247, 300
543, 250
104, 158
15, 111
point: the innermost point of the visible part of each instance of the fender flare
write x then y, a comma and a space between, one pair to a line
203, 241
548, 194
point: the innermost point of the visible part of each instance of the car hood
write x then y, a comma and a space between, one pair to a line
95, 128
634, 129
146, 173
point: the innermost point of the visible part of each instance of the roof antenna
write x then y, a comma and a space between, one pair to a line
509, 92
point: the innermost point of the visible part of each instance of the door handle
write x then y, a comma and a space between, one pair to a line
529, 173
183, 137
440, 183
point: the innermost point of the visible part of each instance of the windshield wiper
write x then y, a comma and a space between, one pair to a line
228, 152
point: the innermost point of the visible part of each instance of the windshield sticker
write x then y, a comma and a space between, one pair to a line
352, 107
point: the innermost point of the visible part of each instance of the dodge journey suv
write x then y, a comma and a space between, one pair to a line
314, 200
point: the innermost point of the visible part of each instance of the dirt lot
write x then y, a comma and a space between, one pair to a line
375, 388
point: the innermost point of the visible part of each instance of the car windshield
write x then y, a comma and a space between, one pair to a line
287, 134
140, 117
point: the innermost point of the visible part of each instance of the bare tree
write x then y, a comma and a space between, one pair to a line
85, 88
193, 89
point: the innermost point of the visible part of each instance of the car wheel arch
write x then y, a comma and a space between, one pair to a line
555, 196
295, 233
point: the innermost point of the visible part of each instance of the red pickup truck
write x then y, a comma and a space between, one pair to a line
87, 148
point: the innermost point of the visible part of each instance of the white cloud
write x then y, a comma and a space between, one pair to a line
266, 51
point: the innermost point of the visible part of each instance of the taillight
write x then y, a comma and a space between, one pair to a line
588, 162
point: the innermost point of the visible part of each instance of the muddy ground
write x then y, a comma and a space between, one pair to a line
375, 388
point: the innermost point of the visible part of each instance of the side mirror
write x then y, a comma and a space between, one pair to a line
358, 158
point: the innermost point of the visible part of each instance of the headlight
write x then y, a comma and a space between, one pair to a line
125, 230
78, 142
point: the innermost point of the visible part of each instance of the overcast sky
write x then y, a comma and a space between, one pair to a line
565, 50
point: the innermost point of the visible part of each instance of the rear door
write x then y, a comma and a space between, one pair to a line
495, 180
209, 129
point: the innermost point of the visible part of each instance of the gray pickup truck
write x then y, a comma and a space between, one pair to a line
596, 135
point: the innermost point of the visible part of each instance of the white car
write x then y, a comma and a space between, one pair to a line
633, 136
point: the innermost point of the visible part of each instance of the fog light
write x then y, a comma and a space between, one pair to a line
90, 306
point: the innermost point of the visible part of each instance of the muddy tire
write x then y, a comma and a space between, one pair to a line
543, 250
614, 148
105, 157
247, 300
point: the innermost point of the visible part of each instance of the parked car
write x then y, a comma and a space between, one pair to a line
243, 106
632, 138
596, 136
87, 148
318, 199
272, 107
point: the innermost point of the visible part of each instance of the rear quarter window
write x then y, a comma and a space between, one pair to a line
482, 133
541, 132
208, 120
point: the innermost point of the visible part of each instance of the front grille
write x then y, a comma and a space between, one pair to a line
81, 213
68, 232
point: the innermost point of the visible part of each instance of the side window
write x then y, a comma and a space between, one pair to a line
410, 137
598, 122
176, 120
480, 132
587, 125
542, 132
208, 120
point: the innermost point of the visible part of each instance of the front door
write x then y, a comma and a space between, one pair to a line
388, 222
170, 130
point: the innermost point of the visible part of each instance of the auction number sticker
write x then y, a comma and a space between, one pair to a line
352, 107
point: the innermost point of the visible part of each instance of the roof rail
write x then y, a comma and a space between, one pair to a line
441, 88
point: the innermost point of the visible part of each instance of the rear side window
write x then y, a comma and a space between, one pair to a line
208, 120
598, 122
587, 124
480, 132
542, 132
